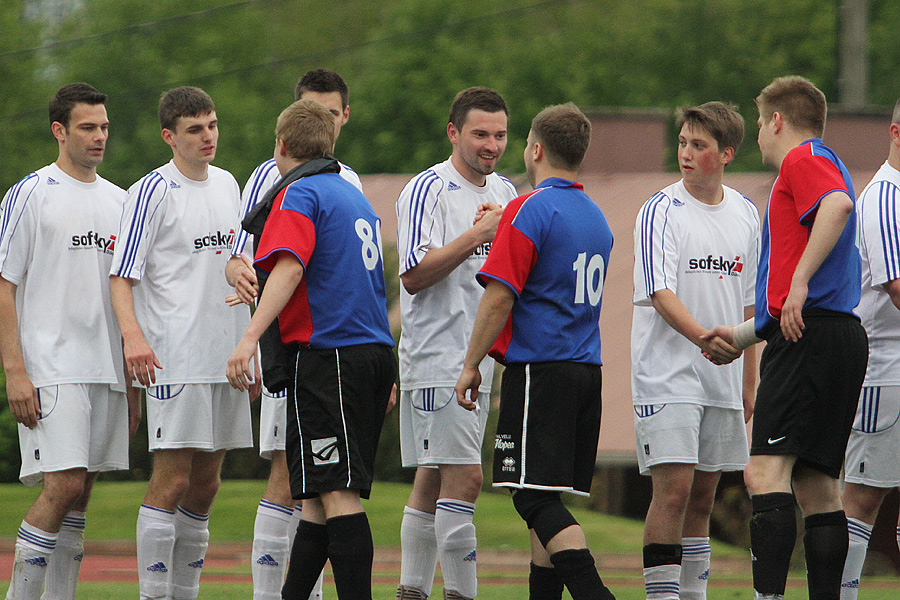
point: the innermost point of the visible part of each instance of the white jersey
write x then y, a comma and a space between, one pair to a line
435, 208
261, 181
878, 240
57, 236
175, 237
707, 256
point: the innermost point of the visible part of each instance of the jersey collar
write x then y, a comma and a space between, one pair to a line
559, 182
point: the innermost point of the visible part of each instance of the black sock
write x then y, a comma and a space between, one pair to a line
656, 555
350, 550
308, 556
576, 569
773, 532
544, 584
825, 543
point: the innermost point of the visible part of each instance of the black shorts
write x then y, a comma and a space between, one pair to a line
809, 389
335, 411
548, 427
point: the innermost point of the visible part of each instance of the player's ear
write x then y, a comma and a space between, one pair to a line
895, 134
168, 137
59, 130
281, 146
452, 133
346, 116
727, 155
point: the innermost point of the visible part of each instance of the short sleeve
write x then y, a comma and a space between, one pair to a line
751, 261
142, 217
260, 182
812, 177
289, 228
18, 224
514, 251
655, 252
881, 232
419, 219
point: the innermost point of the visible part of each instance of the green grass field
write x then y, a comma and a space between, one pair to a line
114, 510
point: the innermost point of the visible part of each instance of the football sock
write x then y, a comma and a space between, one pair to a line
577, 571
859, 534
773, 532
270, 549
308, 555
544, 583
695, 555
418, 550
155, 543
456, 545
34, 548
191, 542
350, 551
825, 543
316, 593
65, 563
662, 571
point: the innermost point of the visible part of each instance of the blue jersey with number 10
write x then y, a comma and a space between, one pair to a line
552, 249
331, 228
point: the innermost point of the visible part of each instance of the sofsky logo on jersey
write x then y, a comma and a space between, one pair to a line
719, 265
92, 239
482, 250
217, 241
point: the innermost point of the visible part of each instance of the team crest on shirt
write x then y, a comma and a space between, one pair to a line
217, 242
92, 239
716, 265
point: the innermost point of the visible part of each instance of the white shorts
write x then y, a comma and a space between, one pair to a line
202, 416
710, 437
82, 425
436, 430
874, 445
272, 423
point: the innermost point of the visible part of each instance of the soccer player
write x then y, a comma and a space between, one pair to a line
167, 288
277, 517
871, 465
696, 246
61, 352
812, 368
539, 314
321, 248
440, 251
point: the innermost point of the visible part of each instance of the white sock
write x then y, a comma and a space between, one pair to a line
316, 593
898, 537
418, 550
456, 543
271, 549
33, 549
65, 564
661, 582
191, 542
695, 553
859, 533
155, 543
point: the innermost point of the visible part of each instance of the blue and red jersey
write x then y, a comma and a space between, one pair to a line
332, 229
551, 249
808, 173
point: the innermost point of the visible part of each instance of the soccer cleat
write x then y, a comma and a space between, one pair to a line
405, 592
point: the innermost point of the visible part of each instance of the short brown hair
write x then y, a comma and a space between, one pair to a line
565, 133
323, 81
478, 97
800, 102
722, 121
307, 130
68, 96
183, 101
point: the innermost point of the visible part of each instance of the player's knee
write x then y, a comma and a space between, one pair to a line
63, 491
543, 512
458, 537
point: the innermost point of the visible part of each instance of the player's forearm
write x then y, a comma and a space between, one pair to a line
893, 291
122, 298
676, 314
493, 311
10, 346
233, 268
440, 262
280, 286
831, 218
749, 375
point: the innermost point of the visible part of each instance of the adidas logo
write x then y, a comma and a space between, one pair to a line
197, 564
39, 561
452, 187
470, 557
158, 568
677, 202
80, 557
51, 181
704, 576
851, 584
267, 560
174, 185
